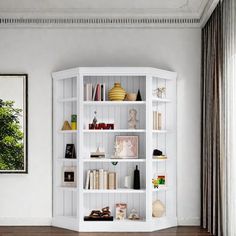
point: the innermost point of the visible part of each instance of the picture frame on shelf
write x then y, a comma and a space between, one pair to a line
70, 151
69, 176
121, 211
159, 180
127, 147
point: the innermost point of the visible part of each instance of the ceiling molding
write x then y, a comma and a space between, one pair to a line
100, 18
98, 22
210, 7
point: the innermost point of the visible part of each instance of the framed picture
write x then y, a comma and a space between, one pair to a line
159, 180
121, 211
126, 147
13, 123
70, 151
69, 176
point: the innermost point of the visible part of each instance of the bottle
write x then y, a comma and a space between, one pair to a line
136, 178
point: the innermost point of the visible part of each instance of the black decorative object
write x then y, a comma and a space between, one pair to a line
136, 178
157, 152
70, 151
139, 98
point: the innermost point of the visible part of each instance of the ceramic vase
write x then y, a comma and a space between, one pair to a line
117, 93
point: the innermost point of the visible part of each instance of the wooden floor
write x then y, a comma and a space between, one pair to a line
52, 231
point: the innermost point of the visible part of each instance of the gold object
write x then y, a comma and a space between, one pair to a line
117, 93
66, 126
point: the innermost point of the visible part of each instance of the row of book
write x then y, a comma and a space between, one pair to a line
157, 120
100, 179
95, 92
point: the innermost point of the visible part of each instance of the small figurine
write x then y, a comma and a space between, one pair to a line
66, 126
132, 121
95, 119
159, 92
134, 215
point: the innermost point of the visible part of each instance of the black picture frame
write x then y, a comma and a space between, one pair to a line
24, 169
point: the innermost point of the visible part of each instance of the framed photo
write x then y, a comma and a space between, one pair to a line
69, 176
13, 123
121, 211
126, 147
159, 180
70, 151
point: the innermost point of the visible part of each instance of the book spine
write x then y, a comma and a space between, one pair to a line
104, 92
111, 180
100, 182
94, 93
97, 180
87, 180
91, 179
105, 179
159, 121
94, 179
102, 95
154, 120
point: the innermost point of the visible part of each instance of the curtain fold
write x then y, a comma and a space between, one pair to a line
219, 121
211, 123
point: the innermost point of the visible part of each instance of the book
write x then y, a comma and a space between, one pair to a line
112, 180
94, 92
97, 180
159, 126
70, 151
105, 179
100, 181
154, 120
87, 180
91, 179
94, 179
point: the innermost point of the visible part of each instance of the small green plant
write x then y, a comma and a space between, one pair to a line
11, 137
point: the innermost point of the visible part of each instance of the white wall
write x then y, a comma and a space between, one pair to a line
27, 198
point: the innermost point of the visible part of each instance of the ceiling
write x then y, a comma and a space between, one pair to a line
165, 8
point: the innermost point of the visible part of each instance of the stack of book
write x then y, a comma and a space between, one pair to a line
100, 179
156, 120
94, 92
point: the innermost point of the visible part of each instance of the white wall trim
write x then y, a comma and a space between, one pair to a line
193, 221
21, 221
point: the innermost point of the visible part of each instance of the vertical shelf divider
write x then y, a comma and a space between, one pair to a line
80, 209
148, 148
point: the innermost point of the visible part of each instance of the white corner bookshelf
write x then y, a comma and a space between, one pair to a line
72, 203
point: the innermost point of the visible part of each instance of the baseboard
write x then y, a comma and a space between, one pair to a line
26, 221
193, 221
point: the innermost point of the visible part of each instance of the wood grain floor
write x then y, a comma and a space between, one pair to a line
52, 231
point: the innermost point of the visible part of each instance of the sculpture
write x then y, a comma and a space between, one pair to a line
132, 123
158, 209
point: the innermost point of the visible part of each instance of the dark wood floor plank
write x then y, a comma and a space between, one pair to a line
53, 231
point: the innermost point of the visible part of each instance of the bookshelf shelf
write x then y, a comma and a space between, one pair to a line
83, 92
67, 160
72, 99
114, 131
161, 100
72, 189
160, 131
67, 131
114, 191
112, 103
112, 160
